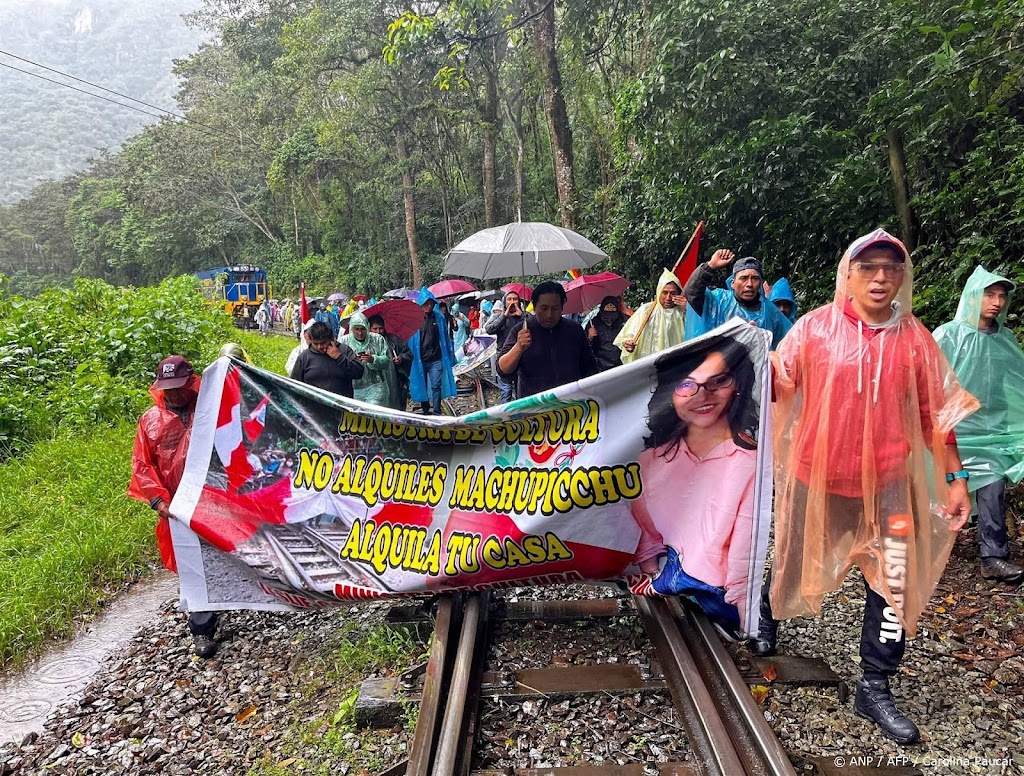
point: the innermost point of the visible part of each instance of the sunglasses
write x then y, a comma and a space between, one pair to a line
688, 387
869, 269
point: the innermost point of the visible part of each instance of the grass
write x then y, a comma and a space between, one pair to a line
270, 353
68, 534
322, 743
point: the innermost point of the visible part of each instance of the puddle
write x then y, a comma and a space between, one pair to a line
29, 695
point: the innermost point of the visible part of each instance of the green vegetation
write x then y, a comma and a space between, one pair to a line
76, 366
356, 142
68, 534
127, 45
331, 738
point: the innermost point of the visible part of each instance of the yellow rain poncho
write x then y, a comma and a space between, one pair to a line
664, 329
862, 419
991, 367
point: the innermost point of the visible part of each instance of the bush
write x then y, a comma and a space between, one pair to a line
85, 355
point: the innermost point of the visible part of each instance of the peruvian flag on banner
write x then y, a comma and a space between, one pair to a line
303, 304
257, 420
227, 439
688, 261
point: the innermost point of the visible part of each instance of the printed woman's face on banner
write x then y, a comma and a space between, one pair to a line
702, 397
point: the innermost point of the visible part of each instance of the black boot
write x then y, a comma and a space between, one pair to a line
1001, 569
767, 632
875, 702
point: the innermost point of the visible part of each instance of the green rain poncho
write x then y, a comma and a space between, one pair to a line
991, 367
372, 387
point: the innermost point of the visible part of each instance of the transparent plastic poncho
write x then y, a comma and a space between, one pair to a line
862, 416
991, 367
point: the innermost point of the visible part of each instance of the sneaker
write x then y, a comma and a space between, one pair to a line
1002, 570
204, 646
874, 702
767, 641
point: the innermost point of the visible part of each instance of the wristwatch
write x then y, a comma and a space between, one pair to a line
960, 475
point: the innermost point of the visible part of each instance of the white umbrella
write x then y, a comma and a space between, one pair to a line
520, 249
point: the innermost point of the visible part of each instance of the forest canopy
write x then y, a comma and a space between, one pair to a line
351, 143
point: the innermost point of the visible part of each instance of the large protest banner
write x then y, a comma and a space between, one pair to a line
294, 497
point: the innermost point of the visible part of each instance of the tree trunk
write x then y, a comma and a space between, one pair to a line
489, 116
410, 208
554, 103
901, 190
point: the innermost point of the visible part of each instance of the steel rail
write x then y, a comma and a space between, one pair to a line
459, 691
761, 749
435, 686
708, 734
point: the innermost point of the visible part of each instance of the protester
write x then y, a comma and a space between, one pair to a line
473, 314
501, 322
327, 364
486, 309
782, 297
303, 345
297, 322
372, 351
546, 350
431, 378
604, 328
863, 394
703, 419
711, 307
665, 327
263, 319
399, 363
462, 326
989, 363
158, 463
235, 351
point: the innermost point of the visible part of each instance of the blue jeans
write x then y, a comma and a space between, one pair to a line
432, 369
506, 388
673, 580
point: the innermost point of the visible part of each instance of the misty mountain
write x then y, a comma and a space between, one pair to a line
48, 131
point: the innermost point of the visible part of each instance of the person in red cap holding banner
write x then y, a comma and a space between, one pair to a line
158, 462
867, 470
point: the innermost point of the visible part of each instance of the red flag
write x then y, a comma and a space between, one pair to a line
303, 305
253, 427
688, 260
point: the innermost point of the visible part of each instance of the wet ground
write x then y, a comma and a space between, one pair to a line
29, 695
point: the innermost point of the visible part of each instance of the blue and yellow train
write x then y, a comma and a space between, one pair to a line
239, 289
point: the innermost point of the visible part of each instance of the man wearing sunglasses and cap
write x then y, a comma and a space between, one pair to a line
708, 308
158, 462
864, 411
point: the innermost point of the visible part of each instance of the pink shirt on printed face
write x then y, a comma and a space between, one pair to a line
703, 508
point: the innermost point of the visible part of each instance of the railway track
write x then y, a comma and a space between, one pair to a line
726, 732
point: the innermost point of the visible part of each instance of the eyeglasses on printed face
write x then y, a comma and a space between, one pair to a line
868, 269
688, 387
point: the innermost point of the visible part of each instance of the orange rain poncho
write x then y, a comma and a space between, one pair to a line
158, 461
862, 417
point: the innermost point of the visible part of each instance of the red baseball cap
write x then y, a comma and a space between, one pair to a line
173, 372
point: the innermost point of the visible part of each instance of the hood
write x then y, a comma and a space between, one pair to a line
783, 293
968, 312
358, 319
487, 307
666, 278
425, 295
858, 246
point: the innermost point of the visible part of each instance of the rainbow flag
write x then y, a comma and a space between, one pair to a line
574, 274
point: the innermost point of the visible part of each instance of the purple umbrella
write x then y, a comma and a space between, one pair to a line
337, 298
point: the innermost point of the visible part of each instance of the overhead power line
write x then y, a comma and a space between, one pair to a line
162, 114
